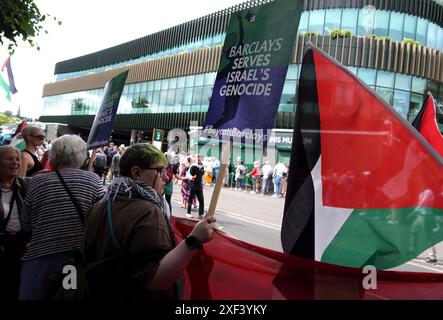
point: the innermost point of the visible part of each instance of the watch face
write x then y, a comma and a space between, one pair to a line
192, 242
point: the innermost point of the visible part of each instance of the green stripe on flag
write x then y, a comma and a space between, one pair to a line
5, 87
385, 238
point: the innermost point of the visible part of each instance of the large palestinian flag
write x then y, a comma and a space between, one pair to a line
365, 188
426, 123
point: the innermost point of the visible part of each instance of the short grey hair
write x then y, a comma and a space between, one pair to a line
68, 151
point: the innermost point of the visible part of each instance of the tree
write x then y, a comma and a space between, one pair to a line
140, 102
78, 105
4, 119
8, 113
20, 19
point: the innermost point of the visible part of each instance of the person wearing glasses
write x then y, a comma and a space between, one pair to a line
33, 137
132, 219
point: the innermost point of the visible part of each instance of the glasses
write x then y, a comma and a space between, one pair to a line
40, 136
160, 170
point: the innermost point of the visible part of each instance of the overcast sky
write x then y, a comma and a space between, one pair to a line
89, 26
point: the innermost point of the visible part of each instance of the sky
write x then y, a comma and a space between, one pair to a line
89, 26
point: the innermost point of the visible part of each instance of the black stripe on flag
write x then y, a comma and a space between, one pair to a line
297, 233
419, 118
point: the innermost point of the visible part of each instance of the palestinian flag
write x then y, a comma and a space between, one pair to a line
17, 140
426, 123
365, 188
8, 87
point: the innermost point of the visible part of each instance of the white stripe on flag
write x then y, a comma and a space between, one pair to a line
328, 220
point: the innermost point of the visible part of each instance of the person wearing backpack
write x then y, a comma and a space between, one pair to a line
240, 173
133, 218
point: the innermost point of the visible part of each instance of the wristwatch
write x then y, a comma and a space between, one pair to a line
193, 243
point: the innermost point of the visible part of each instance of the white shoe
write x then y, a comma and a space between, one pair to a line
251, 191
274, 196
189, 215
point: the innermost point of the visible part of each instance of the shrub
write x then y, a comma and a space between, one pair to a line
310, 34
386, 38
412, 42
345, 33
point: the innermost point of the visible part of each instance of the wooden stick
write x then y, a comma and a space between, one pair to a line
225, 159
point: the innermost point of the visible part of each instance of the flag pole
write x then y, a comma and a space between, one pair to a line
225, 159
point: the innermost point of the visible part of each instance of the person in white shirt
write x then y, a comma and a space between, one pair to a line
267, 175
277, 175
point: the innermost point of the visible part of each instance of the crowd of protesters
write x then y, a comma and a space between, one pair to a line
106, 204
237, 176
50, 215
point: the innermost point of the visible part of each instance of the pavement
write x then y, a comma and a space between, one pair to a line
257, 219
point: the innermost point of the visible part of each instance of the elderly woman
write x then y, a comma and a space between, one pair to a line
12, 236
55, 208
34, 137
140, 224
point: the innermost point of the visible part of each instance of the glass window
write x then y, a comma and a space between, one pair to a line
143, 87
199, 80
366, 21
189, 82
157, 85
386, 94
332, 20
288, 96
382, 23
410, 26
292, 72
303, 24
170, 97
403, 82
197, 99
179, 97
414, 106
418, 85
210, 78
164, 84
137, 87
188, 96
181, 82
148, 96
367, 75
151, 86
353, 70
316, 21
349, 20
385, 79
156, 98
432, 35
401, 102
207, 93
439, 42
396, 26
172, 83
